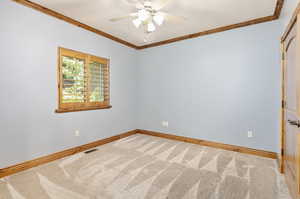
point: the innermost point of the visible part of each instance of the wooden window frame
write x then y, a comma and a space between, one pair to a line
83, 106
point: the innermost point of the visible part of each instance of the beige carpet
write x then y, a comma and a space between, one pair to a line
141, 166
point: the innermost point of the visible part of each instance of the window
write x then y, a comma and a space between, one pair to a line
83, 82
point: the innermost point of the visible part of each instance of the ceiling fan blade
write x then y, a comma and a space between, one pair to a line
159, 4
172, 18
124, 17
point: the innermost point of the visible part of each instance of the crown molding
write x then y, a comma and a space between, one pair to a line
208, 32
55, 14
72, 21
275, 16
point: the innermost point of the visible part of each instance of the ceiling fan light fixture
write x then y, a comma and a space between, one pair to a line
151, 27
149, 15
143, 15
158, 19
137, 22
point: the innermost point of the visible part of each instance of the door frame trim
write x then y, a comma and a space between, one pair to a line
289, 27
294, 188
281, 125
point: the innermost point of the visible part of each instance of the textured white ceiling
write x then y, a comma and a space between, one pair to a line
201, 15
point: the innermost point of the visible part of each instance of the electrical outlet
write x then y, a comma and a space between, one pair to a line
77, 133
165, 124
250, 134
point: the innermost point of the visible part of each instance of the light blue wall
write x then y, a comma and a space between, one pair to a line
28, 54
215, 87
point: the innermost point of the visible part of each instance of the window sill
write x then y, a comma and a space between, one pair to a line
81, 109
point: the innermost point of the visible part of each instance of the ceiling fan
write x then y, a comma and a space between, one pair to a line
148, 14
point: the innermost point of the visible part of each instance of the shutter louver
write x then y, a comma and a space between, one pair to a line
96, 82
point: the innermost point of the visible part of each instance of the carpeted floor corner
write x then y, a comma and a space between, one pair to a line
146, 167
